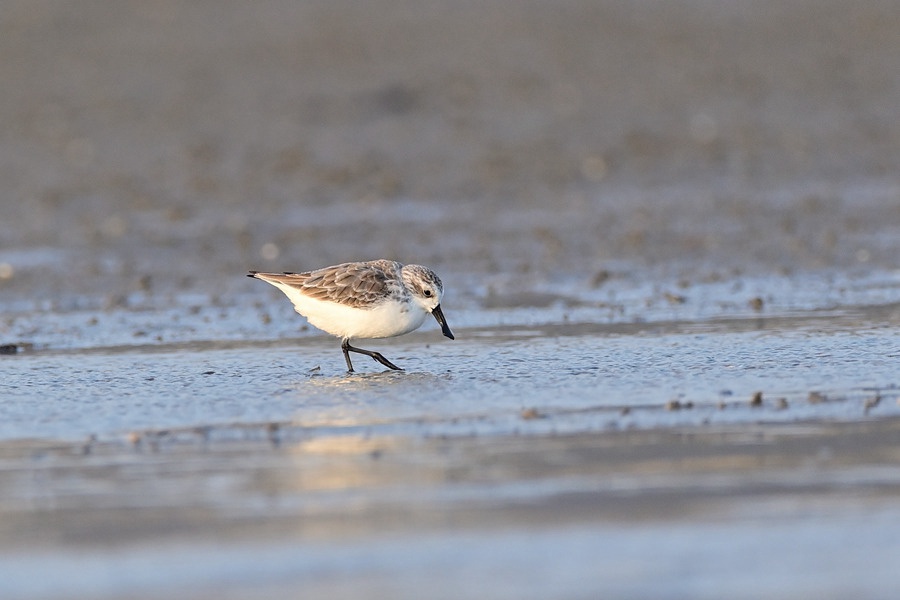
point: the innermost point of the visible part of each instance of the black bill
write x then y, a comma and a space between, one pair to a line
439, 315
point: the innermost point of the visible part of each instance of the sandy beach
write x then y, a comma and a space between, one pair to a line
668, 236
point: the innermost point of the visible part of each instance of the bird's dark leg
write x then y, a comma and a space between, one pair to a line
347, 348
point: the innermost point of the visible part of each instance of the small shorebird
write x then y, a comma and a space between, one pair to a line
372, 299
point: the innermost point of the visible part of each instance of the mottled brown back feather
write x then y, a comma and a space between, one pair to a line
358, 284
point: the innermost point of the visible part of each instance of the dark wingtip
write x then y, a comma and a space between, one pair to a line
288, 273
252, 273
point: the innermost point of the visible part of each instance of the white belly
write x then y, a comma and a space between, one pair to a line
387, 319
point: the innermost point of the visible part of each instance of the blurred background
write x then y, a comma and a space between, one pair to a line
153, 148
668, 233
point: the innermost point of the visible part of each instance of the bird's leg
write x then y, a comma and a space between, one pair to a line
347, 348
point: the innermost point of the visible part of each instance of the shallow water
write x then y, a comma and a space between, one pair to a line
248, 467
220, 450
626, 561
575, 376
253, 512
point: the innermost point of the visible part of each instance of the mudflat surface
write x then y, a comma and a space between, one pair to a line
668, 237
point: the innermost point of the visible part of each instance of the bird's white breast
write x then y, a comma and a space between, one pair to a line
387, 319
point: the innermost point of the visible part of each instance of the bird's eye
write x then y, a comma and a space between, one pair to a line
427, 293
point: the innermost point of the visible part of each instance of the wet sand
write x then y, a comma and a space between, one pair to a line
247, 512
668, 236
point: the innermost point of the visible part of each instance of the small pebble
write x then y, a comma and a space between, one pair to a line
8, 349
531, 413
273, 432
88, 444
816, 398
673, 405
781, 404
599, 278
871, 403
756, 400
